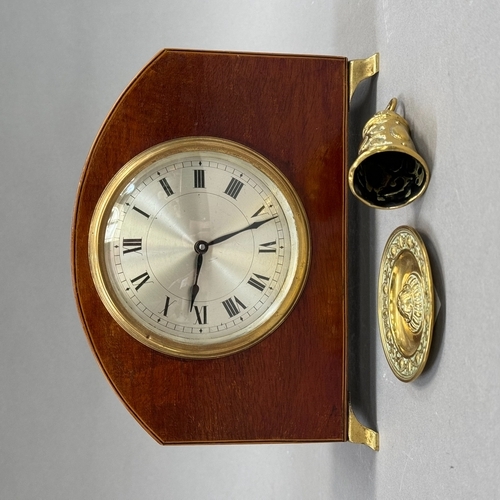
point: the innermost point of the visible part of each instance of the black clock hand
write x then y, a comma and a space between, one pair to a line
254, 225
200, 248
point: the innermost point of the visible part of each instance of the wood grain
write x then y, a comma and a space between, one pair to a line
292, 385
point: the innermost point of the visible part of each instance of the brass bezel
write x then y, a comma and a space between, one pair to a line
96, 248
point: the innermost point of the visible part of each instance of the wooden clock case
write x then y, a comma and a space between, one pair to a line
292, 386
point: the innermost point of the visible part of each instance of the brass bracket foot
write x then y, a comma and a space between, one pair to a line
360, 434
359, 69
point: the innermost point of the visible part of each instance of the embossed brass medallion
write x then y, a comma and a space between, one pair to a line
405, 303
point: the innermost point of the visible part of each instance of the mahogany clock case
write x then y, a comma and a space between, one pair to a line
292, 385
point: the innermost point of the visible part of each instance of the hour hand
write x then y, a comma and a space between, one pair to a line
196, 288
200, 248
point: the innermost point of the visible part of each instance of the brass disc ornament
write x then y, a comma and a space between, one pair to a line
405, 303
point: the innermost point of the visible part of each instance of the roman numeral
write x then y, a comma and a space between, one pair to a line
201, 315
269, 247
167, 305
144, 277
258, 211
231, 306
131, 245
199, 178
166, 187
233, 188
141, 212
258, 281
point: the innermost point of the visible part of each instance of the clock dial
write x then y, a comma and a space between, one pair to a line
199, 247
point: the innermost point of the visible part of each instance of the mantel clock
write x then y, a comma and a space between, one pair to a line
210, 247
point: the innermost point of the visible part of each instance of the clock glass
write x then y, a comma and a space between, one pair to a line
199, 247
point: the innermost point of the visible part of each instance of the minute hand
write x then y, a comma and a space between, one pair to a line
254, 225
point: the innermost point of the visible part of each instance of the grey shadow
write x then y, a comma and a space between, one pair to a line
361, 271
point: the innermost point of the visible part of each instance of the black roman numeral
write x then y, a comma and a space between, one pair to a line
258, 211
141, 212
167, 305
269, 247
166, 187
233, 188
199, 178
131, 245
142, 278
258, 281
231, 306
201, 315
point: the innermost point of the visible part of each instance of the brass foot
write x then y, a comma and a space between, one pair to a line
359, 69
360, 434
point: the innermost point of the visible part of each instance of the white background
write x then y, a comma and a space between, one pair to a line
63, 432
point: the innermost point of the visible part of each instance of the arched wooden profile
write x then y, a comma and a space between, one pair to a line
290, 387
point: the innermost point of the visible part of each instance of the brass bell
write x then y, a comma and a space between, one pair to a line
388, 173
